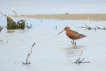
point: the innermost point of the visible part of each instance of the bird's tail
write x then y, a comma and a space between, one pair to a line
82, 35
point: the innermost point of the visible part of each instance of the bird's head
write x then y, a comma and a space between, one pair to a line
65, 29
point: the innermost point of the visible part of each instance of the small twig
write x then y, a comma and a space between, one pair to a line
104, 28
29, 55
88, 27
82, 60
82, 27
85, 62
96, 26
56, 27
23, 63
33, 44
3, 14
17, 14
28, 26
78, 61
1, 28
80, 55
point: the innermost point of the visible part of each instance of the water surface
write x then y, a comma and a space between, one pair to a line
52, 52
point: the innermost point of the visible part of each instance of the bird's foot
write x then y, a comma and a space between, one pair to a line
74, 44
75, 47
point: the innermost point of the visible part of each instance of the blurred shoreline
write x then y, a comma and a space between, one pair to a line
67, 16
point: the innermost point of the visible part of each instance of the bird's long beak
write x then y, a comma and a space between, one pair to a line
61, 31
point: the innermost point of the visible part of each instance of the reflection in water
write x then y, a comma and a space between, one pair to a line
71, 52
10, 31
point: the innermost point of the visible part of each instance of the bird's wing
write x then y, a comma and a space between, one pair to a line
77, 34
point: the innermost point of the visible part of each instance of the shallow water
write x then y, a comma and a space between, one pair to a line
52, 52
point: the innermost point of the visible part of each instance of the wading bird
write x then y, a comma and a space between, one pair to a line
72, 35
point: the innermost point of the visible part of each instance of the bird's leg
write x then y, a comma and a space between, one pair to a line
74, 42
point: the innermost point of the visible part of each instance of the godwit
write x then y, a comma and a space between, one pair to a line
72, 35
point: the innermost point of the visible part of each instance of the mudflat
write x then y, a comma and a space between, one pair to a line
68, 16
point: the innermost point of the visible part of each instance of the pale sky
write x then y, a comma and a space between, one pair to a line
61, 1
73, 1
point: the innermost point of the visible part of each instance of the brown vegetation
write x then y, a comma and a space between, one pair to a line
68, 16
